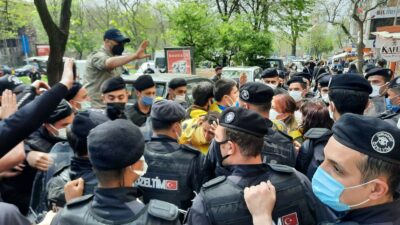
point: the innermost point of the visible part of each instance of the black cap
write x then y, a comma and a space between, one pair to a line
349, 81
368, 135
303, 74
386, 73
113, 84
115, 34
256, 93
177, 82
395, 83
167, 111
282, 74
76, 86
9, 82
85, 121
143, 82
115, 144
324, 81
63, 110
297, 79
270, 72
244, 120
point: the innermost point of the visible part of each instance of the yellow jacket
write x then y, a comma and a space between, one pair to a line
193, 134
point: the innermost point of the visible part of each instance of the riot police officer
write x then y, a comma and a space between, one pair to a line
114, 96
240, 137
392, 114
116, 153
378, 78
270, 77
173, 170
278, 147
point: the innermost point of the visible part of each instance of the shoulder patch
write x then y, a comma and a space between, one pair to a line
214, 181
316, 133
81, 200
191, 149
163, 210
281, 168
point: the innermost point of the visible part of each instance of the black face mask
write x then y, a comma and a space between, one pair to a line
115, 110
118, 49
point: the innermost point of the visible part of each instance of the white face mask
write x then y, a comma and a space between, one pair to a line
142, 172
325, 98
273, 114
296, 95
61, 133
180, 98
375, 90
273, 86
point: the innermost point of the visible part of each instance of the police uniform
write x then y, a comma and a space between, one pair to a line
311, 153
115, 205
270, 73
376, 139
18, 190
174, 171
278, 147
392, 114
133, 113
221, 201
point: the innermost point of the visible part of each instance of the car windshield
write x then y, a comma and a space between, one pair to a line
234, 73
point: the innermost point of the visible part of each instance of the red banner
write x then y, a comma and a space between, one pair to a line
179, 61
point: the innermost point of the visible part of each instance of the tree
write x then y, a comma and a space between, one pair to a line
294, 19
14, 15
58, 37
318, 41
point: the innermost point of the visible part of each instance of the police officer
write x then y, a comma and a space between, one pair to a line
270, 77
392, 113
220, 201
107, 62
360, 174
322, 82
17, 190
348, 93
278, 147
115, 96
115, 200
145, 90
177, 89
377, 77
77, 97
174, 171
79, 165
298, 88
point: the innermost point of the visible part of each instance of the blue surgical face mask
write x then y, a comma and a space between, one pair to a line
328, 191
147, 101
390, 106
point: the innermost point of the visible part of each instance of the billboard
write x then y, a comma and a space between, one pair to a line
180, 60
42, 50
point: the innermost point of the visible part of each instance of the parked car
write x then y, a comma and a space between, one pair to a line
4, 70
234, 72
145, 66
23, 71
162, 80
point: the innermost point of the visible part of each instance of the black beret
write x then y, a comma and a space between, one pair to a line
244, 120
387, 73
86, 121
167, 111
115, 144
177, 82
297, 79
303, 74
368, 135
395, 83
270, 72
282, 74
143, 82
9, 82
349, 81
76, 86
113, 84
63, 110
256, 93
324, 81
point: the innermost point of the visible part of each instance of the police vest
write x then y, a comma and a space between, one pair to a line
168, 175
79, 212
278, 149
225, 204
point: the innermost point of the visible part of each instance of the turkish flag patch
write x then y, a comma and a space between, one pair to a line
171, 185
290, 219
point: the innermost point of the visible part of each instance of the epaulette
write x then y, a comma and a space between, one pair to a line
214, 181
281, 168
315, 133
163, 210
79, 201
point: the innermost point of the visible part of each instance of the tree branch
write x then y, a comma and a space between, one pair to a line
45, 17
65, 16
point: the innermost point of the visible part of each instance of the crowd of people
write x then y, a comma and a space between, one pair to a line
311, 147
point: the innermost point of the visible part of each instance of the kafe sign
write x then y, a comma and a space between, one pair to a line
391, 50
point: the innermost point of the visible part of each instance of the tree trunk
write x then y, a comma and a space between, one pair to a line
360, 48
294, 45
